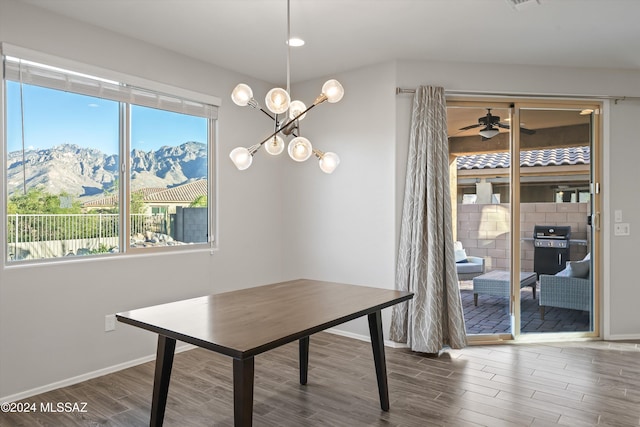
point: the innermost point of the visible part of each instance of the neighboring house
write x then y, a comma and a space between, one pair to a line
170, 198
158, 200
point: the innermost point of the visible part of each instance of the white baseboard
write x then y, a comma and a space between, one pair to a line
622, 337
366, 338
87, 376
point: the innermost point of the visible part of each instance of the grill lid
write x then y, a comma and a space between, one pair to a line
552, 232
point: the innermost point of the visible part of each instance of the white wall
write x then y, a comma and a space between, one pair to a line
340, 227
623, 179
620, 157
52, 316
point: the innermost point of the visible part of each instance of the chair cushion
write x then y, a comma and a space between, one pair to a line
461, 255
469, 267
579, 269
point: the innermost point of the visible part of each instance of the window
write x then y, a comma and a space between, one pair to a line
76, 145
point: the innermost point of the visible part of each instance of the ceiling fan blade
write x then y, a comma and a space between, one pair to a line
523, 130
471, 126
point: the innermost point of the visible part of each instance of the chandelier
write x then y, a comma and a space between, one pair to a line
278, 102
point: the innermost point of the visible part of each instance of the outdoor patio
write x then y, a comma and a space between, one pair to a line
491, 315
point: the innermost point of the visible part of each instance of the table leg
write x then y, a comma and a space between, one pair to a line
377, 344
304, 359
243, 392
164, 362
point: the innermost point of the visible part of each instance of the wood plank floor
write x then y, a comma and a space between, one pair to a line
575, 384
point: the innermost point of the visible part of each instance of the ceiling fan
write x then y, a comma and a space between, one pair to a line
491, 123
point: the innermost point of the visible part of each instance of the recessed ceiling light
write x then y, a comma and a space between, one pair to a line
296, 42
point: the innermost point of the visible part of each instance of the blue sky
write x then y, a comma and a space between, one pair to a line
53, 117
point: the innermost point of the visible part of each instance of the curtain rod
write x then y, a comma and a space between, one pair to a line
400, 90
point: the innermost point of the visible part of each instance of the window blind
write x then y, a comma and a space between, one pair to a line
34, 73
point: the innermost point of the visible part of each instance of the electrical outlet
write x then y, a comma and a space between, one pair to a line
109, 322
622, 229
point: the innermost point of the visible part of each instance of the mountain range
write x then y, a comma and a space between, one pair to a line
85, 172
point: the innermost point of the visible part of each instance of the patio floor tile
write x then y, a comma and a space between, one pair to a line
491, 315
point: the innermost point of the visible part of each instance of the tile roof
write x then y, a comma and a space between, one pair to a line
182, 193
185, 193
101, 202
532, 158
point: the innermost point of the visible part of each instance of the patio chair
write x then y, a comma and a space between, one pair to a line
467, 266
571, 288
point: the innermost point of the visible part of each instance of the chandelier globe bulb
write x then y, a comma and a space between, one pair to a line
277, 100
241, 95
241, 157
300, 149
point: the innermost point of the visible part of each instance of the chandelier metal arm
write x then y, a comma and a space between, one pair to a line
268, 114
254, 148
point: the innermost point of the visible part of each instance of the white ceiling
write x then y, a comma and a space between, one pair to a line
248, 35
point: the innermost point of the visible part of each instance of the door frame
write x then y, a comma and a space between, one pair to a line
515, 104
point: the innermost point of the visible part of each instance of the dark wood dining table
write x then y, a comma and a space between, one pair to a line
244, 323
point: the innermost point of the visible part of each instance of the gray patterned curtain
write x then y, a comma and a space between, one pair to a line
426, 265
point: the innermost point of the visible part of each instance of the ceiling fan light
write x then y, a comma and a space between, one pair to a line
488, 132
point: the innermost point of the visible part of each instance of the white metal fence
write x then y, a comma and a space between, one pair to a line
47, 227
42, 228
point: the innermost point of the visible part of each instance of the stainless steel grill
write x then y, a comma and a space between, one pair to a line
551, 248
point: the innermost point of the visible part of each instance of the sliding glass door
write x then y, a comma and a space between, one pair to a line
555, 145
479, 145
539, 207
